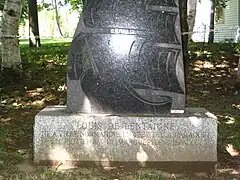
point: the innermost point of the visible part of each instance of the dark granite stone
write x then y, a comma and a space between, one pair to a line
126, 57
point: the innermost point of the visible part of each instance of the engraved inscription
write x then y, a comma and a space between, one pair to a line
157, 23
128, 133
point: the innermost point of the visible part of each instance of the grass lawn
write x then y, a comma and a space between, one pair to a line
43, 82
47, 41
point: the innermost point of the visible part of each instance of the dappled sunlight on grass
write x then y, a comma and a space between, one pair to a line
43, 82
230, 120
232, 151
228, 171
211, 85
24, 94
203, 65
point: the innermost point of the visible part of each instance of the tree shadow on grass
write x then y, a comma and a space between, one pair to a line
23, 93
43, 82
211, 85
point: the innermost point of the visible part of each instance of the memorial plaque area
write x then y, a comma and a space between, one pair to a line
188, 137
126, 57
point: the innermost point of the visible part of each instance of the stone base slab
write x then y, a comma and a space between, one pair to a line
188, 137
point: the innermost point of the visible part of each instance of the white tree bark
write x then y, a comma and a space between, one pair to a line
10, 25
192, 10
54, 2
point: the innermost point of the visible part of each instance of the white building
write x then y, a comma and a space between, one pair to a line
226, 26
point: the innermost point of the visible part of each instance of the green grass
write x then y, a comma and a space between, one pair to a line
47, 41
44, 72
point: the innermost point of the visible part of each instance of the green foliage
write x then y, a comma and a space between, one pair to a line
3, 136
213, 52
148, 177
218, 80
2, 4
38, 66
24, 14
237, 48
229, 132
220, 5
44, 71
75, 5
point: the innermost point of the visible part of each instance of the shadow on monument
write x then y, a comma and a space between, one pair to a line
60, 156
95, 150
126, 58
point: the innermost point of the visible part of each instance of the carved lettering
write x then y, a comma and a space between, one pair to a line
128, 133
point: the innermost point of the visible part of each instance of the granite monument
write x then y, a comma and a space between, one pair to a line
126, 91
127, 57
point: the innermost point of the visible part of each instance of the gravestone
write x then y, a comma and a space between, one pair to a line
126, 91
126, 57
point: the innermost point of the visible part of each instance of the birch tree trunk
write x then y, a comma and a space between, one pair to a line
192, 9
10, 25
57, 17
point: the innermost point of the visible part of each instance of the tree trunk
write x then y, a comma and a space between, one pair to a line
238, 71
211, 33
192, 9
184, 28
57, 17
10, 24
237, 84
34, 37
